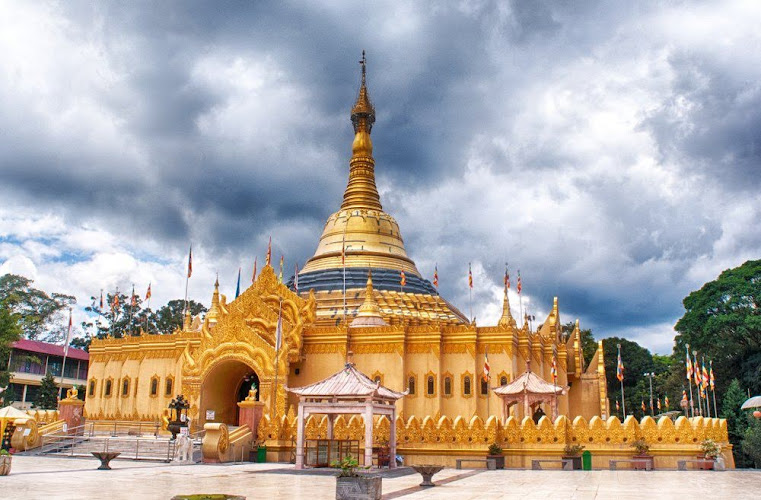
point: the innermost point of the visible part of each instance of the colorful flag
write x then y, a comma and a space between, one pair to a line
519, 287
237, 288
68, 337
279, 330
280, 276
684, 397
101, 299
133, 299
296, 278
688, 363
666, 402
436, 276
190, 261
696, 371
659, 404
711, 380
507, 279
619, 368
402, 278
486, 367
470, 276
554, 370
115, 302
148, 292
644, 408
705, 380
253, 276
268, 259
618, 406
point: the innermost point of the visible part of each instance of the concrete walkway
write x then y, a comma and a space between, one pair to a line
76, 478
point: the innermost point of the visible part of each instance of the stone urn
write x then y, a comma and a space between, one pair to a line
5, 464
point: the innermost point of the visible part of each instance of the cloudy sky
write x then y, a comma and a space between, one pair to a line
608, 150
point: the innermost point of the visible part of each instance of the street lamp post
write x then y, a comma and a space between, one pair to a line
650, 375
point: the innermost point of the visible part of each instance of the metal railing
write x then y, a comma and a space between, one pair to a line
132, 448
122, 427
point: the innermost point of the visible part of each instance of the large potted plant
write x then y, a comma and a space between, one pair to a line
353, 485
5, 462
641, 449
711, 449
495, 452
573, 453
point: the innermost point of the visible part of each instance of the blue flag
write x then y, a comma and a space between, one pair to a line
237, 288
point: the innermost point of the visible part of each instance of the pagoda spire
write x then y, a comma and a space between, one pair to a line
369, 313
507, 319
361, 191
213, 314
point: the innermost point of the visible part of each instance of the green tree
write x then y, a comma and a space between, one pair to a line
47, 398
737, 420
80, 343
10, 331
42, 316
637, 361
722, 321
751, 443
170, 317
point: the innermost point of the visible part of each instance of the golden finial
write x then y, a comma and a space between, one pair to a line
369, 312
361, 191
213, 315
507, 319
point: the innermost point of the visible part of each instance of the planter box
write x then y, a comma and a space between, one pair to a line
358, 488
575, 461
706, 463
499, 460
5, 465
641, 466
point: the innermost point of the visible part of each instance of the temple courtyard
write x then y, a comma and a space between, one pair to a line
77, 478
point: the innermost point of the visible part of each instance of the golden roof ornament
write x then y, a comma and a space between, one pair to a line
507, 319
213, 315
369, 313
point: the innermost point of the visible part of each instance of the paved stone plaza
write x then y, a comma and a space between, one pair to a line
48, 478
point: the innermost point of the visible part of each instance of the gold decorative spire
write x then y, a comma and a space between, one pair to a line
360, 233
369, 313
213, 314
188, 321
361, 191
507, 319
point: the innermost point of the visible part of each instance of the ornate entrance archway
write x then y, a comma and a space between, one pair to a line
226, 384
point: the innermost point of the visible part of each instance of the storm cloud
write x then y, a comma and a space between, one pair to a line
608, 151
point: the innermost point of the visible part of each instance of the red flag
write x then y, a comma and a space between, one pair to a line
190, 261
619, 367
148, 293
644, 408
253, 276
520, 284
402, 278
436, 276
486, 367
268, 259
470, 276
115, 302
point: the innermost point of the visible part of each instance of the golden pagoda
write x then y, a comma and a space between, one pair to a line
360, 292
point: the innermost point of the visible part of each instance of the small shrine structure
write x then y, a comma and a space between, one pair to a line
529, 389
347, 392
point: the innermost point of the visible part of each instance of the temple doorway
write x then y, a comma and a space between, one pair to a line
225, 385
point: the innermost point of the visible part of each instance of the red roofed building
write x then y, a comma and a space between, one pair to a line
30, 360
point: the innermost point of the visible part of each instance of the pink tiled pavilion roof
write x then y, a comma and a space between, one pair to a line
348, 383
528, 382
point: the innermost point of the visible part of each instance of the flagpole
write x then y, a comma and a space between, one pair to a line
689, 380
623, 399
65, 354
520, 296
278, 341
187, 281
713, 390
131, 304
695, 363
488, 376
